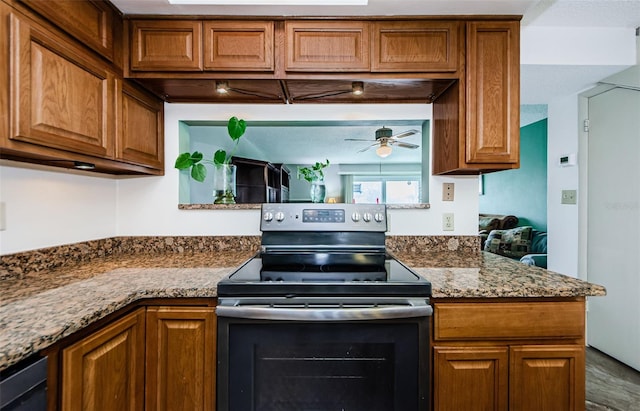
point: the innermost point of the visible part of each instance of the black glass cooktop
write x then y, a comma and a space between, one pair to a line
389, 277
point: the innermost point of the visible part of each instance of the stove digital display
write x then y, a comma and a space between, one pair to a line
322, 216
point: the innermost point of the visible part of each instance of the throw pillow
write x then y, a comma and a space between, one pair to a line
514, 243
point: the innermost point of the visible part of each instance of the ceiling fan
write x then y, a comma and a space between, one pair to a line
385, 139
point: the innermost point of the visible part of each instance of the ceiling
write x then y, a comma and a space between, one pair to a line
540, 84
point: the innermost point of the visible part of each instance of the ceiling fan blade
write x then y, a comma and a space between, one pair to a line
357, 139
406, 134
405, 145
367, 148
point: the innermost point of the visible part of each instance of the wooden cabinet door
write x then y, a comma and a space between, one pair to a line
140, 137
105, 371
327, 46
91, 22
493, 92
547, 377
60, 97
166, 45
470, 378
181, 355
239, 45
415, 46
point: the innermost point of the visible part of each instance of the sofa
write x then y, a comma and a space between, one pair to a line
525, 244
499, 234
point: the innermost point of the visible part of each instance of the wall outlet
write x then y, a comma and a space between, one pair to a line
569, 197
447, 222
447, 192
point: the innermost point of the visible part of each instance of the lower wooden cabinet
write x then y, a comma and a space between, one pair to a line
105, 371
470, 378
181, 358
515, 356
156, 358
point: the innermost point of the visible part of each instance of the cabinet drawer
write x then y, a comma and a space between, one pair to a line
490, 321
238, 45
172, 45
405, 46
327, 46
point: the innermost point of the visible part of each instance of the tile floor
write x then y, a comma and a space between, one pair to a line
611, 385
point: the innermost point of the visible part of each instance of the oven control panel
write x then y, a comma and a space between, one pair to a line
323, 217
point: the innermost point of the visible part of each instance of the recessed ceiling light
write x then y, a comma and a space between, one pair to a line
274, 2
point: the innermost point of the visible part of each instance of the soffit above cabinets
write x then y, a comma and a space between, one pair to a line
242, 91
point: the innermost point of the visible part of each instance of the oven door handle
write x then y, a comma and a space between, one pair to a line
325, 314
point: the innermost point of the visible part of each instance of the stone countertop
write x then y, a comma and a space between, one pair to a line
40, 309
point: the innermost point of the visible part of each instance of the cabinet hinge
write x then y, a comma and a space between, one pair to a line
585, 125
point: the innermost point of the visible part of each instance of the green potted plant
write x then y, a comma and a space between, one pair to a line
315, 176
224, 173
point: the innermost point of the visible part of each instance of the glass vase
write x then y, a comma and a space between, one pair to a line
224, 184
317, 191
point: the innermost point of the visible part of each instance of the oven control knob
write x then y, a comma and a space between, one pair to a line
355, 216
379, 217
267, 216
279, 216
366, 217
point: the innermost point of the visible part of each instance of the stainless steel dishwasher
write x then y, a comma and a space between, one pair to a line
24, 387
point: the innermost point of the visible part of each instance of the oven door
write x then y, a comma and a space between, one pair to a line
317, 356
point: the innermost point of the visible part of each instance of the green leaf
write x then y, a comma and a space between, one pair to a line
220, 157
236, 128
199, 172
183, 161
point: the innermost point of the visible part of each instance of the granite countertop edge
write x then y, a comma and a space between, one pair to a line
36, 321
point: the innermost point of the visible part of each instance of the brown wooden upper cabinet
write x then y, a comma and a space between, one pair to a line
63, 98
239, 45
91, 22
327, 46
415, 46
166, 45
477, 120
140, 128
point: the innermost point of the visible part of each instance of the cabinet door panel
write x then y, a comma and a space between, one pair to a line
140, 138
327, 46
493, 79
89, 21
60, 99
415, 46
482, 371
181, 356
550, 378
171, 45
105, 371
239, 45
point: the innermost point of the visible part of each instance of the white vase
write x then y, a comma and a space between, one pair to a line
224, 184
317, 191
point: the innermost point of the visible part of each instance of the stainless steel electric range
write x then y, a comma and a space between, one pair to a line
323, 317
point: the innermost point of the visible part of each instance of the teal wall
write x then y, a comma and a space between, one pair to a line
521, 192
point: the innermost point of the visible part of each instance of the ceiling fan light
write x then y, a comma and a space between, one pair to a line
222, 87
357, 88
383, 151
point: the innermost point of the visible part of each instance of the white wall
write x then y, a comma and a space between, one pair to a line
45, 207
562, 219
148, 206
